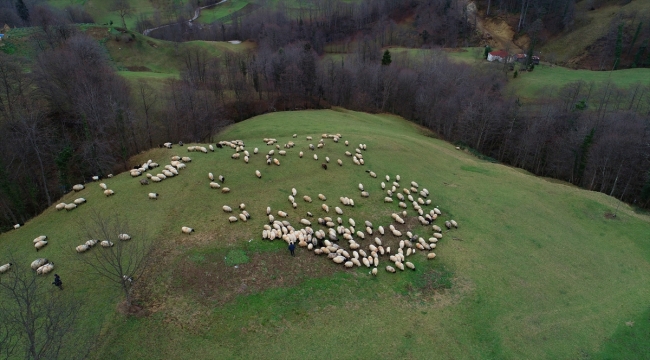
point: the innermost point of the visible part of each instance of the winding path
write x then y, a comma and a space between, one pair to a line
197, 13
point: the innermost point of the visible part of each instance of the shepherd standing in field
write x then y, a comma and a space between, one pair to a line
292, 248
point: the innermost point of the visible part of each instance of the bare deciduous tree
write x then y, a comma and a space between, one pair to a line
122, 8
37, 321
122, 263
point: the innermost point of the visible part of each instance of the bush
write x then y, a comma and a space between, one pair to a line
515, 74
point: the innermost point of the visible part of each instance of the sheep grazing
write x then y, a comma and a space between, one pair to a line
232, 219
322, 197
282, 214
45, 269
268, 210
339, 162
214, 185
225, 190
315, 157
431, 256
372, 174
338, 210
4, 268
153, 196
91, 242
103, 186
82, 248
390, 269
256, 150
109, 192
309, 138
324, 166
454, 223
187, 230
306, 198
258, 174
40, 238
325, 207
300, 154
78, 187
38, 263
124, 237
246, 159
211, 148
276, 162
60, 206
70, 207
388, 199
448, 224
365, 194
437, 228
39, 245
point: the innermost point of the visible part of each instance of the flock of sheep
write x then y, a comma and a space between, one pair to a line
327, 241
358, 249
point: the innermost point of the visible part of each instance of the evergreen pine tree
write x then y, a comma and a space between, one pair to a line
385, 60
22, 10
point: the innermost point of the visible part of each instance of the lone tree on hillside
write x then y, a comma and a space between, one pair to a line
385, 60
36, 320
122, 8
124, 261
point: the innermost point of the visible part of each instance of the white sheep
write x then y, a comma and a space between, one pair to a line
242, 217
282, 214
307, 198
82, 248
79, 201
91, 242
187, 230
214, 185
45, 268
124, 237
258, 174
39, 245
103, 186
4, 268
38, 263
325, 207
40, 238
225, 190
390, 269
78, 187
315, 157
60, 206
153, 196
109, 192
70, 207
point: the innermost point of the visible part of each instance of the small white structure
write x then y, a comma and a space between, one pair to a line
500, 56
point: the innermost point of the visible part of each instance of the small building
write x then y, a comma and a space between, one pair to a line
500, 56
521, 58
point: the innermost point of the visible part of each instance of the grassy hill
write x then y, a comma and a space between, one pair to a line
534, 271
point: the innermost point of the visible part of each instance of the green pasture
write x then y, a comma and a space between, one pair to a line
530, 85
534, 271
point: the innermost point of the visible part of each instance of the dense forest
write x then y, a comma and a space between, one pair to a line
66, 115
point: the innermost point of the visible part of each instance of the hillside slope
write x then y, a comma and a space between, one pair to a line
537, 270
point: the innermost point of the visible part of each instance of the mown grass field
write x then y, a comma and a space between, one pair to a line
530, 85
537, 271
217, 12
